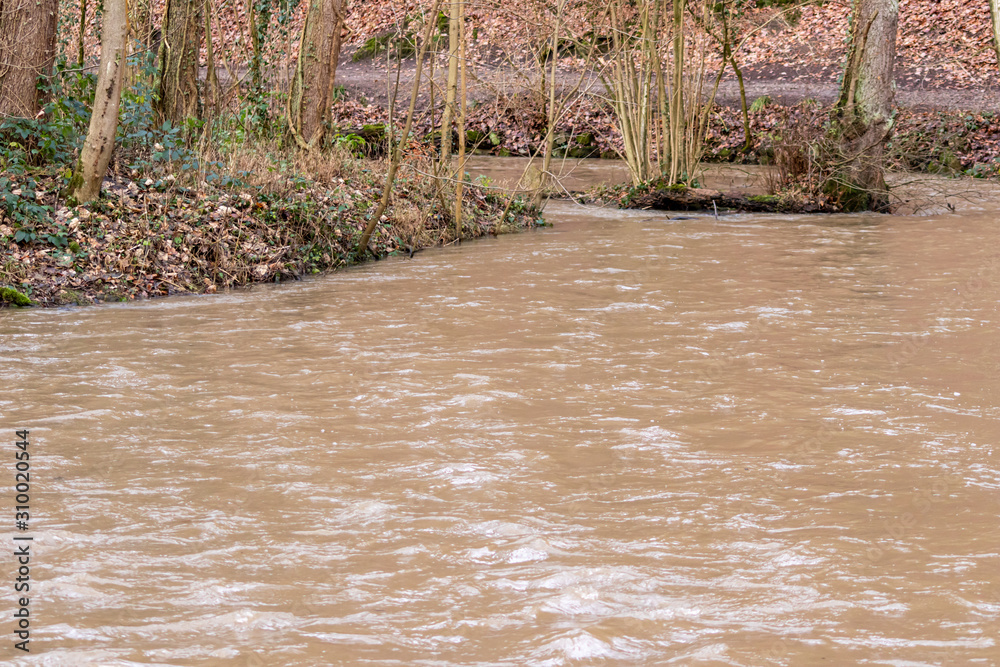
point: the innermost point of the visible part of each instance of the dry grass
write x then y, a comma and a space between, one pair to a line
277, 169
12, 272
409, 224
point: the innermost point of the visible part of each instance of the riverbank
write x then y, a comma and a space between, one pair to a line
156, 236
271, 214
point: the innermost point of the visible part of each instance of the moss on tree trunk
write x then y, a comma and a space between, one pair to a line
863, 115
316, 71
178, 88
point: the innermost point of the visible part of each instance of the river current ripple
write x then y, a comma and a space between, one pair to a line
623, 440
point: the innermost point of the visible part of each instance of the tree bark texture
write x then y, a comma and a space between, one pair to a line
550, 111
451, 89
995, 22
100, 142
863, 114
182, 28
27, 52
316, 72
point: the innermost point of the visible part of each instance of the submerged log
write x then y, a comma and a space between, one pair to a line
680, 198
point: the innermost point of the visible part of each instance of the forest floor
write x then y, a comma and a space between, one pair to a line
947, 79
945, 56
278, 218
943, 125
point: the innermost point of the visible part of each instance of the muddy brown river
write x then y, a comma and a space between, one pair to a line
627, 439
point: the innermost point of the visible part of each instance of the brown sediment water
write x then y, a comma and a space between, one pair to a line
627, 439
576, 175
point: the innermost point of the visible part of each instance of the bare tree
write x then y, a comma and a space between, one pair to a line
211, 75
100, 143
315, 73
463, 97
182, 28
863, 114
397, 148
451, 89
659, 63
27, 51
551, 112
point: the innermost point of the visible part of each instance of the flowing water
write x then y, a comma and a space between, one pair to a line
622, 440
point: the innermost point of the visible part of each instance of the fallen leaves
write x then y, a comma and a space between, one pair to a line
198, 240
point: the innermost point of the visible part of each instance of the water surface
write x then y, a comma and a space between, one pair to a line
623, 440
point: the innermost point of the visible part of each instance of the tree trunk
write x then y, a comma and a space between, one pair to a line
96, 152
995, 22
743, 104
27, 51
211, 76
315, 72
83, 33
258, 30
451, 89
550, 123
863, 114
463, 97
182, 28
677, 96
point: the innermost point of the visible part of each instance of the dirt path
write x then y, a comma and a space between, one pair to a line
368, 78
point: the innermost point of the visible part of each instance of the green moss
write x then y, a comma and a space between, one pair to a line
371, 48
11, 295
403, 45
760, 103
764, 199
851, 199
74, 297
580, 152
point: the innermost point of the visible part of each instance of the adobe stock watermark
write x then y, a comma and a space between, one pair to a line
22, 541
